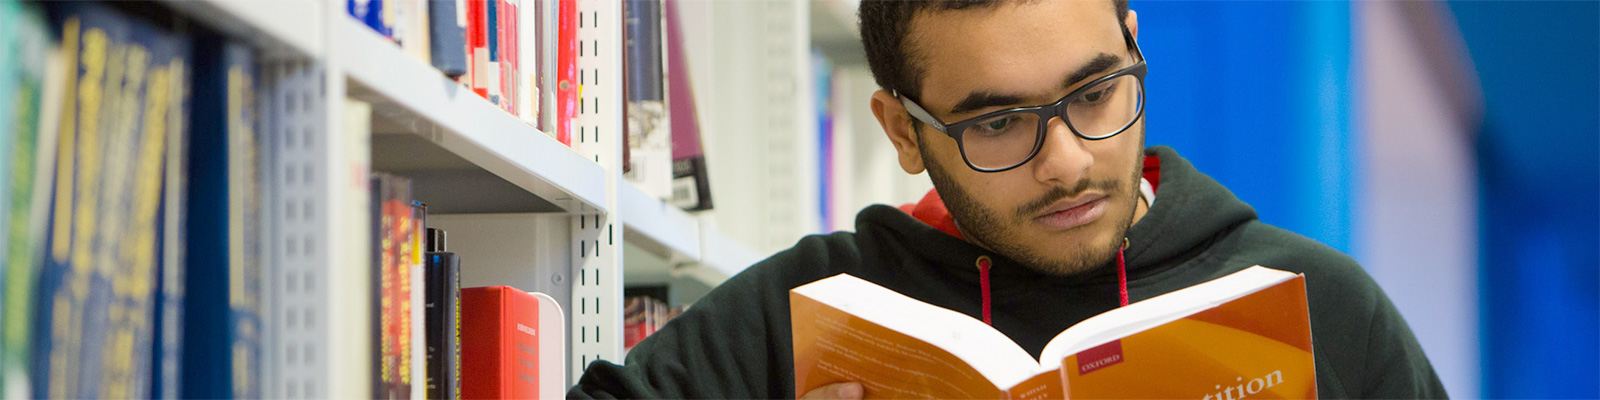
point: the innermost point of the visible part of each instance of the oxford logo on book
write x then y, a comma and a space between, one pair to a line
1101, 356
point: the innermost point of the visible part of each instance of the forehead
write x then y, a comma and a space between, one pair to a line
1023, 48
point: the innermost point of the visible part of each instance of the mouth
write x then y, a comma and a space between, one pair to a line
1072, 213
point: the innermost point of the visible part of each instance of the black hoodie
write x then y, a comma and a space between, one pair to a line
735, 342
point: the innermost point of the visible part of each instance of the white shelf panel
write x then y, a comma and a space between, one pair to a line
723, 254
277, 26
657, 227
471, 156
673, 243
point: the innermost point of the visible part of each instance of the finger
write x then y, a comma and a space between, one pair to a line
846, 391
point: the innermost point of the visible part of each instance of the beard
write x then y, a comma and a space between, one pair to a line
1001, 232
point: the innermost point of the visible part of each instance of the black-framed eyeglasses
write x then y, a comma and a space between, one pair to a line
1001, 140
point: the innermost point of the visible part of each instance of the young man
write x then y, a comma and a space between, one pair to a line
1047, 209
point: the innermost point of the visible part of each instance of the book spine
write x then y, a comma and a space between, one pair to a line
691, 188
492, 44
396, 257
413, 29
567, 85
416, 267
448, 46
444, 353
649, 141
37, 92
528, 62
509, 49
223, 307
498, 343
379, 295
73, 296
246, 270
477, 42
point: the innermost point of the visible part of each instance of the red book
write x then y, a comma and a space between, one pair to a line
500, 343
566, 69
478, 47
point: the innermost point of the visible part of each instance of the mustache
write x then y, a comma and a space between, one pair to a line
1057, 193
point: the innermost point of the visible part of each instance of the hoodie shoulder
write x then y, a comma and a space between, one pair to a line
1371, 351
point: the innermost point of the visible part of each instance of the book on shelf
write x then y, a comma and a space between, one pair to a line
529, 30
224, 306
376, 14
110, 234
412, 28
399, 292
446, 33
443, 277
643, 316
648, 125
1243, 335
31, 78
361, 214
514, 344
568, 86
691, 188
477, 76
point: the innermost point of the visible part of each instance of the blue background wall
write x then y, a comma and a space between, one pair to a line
1539, 180
1259, 96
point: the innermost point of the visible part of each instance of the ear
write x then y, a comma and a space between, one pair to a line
896, 124
1133, 24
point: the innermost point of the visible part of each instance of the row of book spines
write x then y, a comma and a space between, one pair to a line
478, 42
97, 121
643, 316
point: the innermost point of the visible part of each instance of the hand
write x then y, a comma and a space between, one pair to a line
846, 390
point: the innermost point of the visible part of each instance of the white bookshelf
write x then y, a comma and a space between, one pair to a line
464, 152
658, 227
279, 27
545, 213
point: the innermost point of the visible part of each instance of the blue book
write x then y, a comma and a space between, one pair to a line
162, 150
447, 38
98, 293
73, 294
223, 304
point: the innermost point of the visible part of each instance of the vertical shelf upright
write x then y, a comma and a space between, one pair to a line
596, 324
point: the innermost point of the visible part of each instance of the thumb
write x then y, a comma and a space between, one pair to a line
844, 391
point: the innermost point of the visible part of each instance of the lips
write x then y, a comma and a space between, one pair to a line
1068, 214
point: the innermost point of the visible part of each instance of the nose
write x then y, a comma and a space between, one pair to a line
1063, 158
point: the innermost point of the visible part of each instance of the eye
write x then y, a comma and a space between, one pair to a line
1096, 96
998, 124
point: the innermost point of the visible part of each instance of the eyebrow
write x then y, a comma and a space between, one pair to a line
984, 99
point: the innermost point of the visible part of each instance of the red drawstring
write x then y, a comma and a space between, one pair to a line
983, 277
1122, 280
1122, 273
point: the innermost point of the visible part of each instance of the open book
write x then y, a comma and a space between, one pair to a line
1245, 335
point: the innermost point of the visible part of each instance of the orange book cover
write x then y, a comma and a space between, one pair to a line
1245, 335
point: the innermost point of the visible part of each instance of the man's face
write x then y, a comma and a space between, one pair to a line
1068, 208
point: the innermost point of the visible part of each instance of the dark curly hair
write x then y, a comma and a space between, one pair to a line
885, 24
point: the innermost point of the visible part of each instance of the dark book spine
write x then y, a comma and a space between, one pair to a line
448, 42
206, 368
380, 185
443, 320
